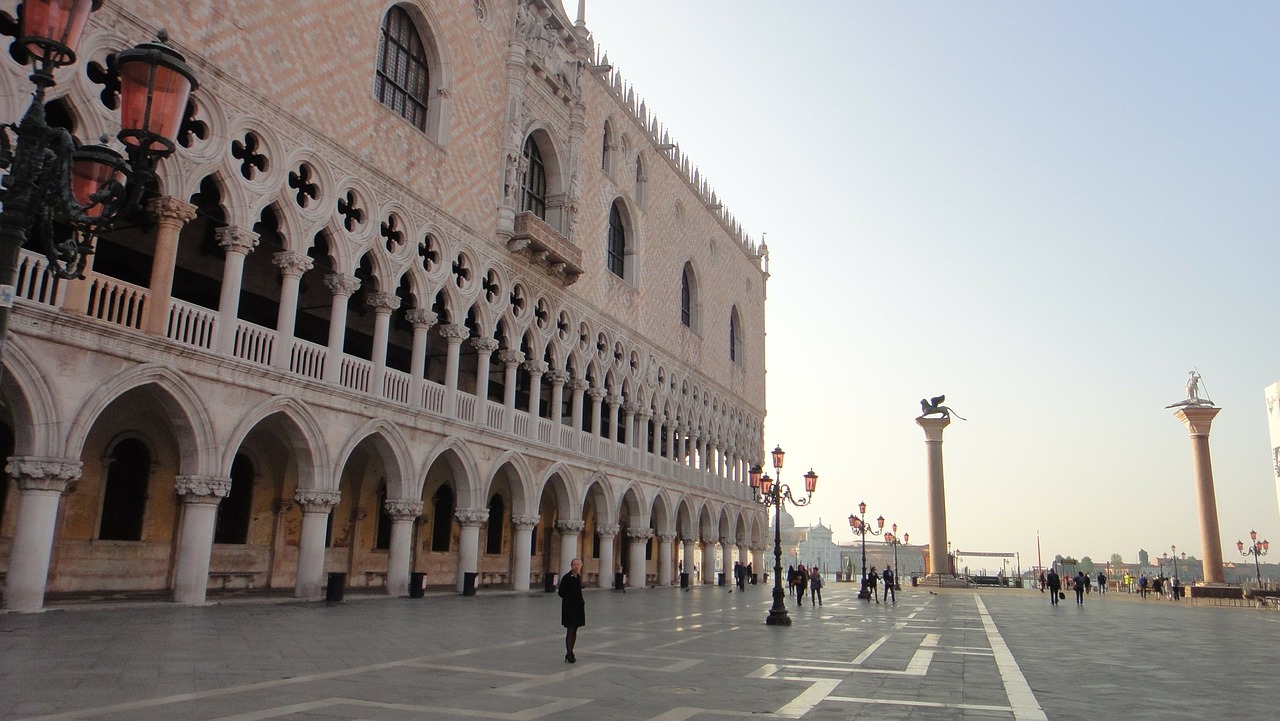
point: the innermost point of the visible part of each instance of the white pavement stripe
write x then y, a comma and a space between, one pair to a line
871, 649
1023, 701
548, 709
810, 697
925, 704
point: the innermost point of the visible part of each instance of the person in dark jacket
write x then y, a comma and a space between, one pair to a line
573, 610
1054, 582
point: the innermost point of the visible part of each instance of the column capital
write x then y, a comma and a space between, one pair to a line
933, 428
403, 510
536, 367
525, 523
171, 211
614, 399
484, 345
597, 393
421, 317
35, 473
608, 531
382, 301
557, 377
578, 384
471, 517
292, 263
454, 332
236, 240
567, 527
202, 489
1197, 419
316, 501
640, 534
629, 408
341, 284
667, 537
511, 357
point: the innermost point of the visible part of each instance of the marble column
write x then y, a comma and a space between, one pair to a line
628, 419
316, 506
421, 319
453, 334
615, 402
557, 379
569, 531
383, 304
666, 568
484, 351
597, 396
511, 359
237, 244
403, 515
939, 560
522, 548
170, 215
536, 370
292, 266
41, 483
200, 498
690, 558
470, 519
708, 564
608, 566
637, 567
342, 287
577, 386
726, 558
1198, 419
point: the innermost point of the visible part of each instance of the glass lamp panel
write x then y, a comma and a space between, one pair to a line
778, 454
810, 481
766, 484
153, 100
60, 23
88, 176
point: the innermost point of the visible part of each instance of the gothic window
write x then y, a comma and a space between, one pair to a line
493, 539
689, 298
617, 249
382, 532
402, 81
533, 195
125, 496
232, 524
735, 337
442, 520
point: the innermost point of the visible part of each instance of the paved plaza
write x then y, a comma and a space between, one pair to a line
656, 654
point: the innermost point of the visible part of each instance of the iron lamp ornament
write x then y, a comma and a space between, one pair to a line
774, 493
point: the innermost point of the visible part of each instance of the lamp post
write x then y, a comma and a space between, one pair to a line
858, 522
773, 493
892, 538
49, 179
1256, 548
1174, 550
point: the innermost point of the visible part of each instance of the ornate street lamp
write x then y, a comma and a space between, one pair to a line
891, 537
858, 522
49, 179
773, 493
1174, 551
1257, 548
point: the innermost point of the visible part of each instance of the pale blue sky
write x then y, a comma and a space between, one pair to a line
1050, 212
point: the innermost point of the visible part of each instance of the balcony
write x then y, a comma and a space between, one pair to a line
546, 249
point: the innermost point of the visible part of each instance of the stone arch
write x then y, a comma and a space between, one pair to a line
393, 449
523, 500
28, 399
304, 434
455, 452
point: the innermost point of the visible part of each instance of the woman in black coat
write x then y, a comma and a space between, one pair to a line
573, 611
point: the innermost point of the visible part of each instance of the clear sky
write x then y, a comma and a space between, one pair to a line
1050, 212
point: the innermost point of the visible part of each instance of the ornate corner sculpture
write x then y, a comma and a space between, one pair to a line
933, 407
1193, 399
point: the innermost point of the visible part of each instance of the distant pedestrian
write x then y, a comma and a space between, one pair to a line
1081, 585
573, 610
802, 583
1142, 585
1042, 580
890, 585
1157, 586
1102, 582
871, 583
815, 586
1054, 582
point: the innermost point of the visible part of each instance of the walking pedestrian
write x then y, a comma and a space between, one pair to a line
815, 586
1042, 580
573, 610
1054, 583
871, 583
802, 583
1142, 586
1081, 585
890, 585
1102, 582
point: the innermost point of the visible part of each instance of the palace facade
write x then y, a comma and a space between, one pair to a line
426, 289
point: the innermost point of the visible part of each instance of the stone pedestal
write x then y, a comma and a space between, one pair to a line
933, 428
1198, 419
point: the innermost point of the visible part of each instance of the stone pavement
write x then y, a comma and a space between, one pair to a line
656, 654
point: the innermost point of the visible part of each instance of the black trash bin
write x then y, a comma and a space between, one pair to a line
755, 577
720, 578
334, 589
548, 582
468, 584
684, 580
416, 581
619, 582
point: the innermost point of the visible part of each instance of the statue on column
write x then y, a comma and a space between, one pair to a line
933, 406
1193, 399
